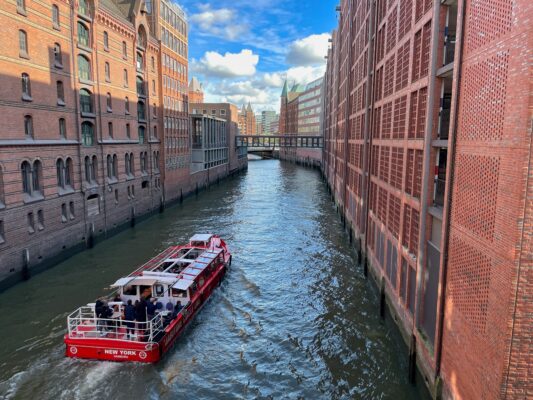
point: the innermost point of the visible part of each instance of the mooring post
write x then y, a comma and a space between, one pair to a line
382, 299
25, 264
412, 360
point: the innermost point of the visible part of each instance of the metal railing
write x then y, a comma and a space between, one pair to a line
83, 324
288, 140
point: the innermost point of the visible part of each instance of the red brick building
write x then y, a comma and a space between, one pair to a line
94, 99
247, 121
288, 117
196, 91
427, 129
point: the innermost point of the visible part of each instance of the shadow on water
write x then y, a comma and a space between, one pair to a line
293, 319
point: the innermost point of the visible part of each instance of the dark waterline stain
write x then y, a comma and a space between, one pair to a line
293, 319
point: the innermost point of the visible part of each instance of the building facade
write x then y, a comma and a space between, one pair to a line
427, 131
247, 122
229, 113
93, 93
209, 140
309, 116
288, 118
196, 91
267, 119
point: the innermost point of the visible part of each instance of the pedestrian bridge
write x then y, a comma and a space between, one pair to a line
267, 142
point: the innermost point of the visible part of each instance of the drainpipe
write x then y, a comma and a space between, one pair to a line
452, 144
427, 162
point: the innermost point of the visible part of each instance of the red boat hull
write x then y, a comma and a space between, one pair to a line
118, 350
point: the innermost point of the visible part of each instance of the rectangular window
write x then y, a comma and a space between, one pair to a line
40, 220
23, 43
55, 16
31, 223
2, 233
64, 217
71, 210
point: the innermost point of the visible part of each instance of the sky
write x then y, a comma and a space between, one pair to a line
242, 50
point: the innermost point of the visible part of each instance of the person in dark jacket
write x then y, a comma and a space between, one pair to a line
129, 316
150, 308
140, 314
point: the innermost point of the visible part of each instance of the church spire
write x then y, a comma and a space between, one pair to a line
285, 89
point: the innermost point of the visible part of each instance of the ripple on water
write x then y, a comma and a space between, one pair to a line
293, 318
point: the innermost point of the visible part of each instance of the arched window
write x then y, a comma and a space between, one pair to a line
37, 173
25, 169
26, 87
128, 131
23, 44
127, 105
140, 87
143, 162
84, 8
109, 103
88, 169
86, 101
110, 129
109, 166
155, 131
132, 165
62, 128
60, 93
84, 68
83, 35
21, 6
28, 126
127, 164
126, 83
68, 172
58, 57
107, 71
124, 50
94, 165
141, 111
87, 134
106, 41
60, 171
141, 37
55, 16
115, 166
140, 61
141, 134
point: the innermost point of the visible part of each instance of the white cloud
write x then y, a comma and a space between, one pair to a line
227, 65
305, 75
221, 22
309, 50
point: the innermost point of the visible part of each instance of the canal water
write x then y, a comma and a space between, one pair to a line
293, 319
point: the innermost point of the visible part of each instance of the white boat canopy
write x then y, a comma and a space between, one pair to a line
123, 281
182, 284
201, 237
143, 280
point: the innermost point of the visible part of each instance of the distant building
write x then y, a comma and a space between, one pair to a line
259, 127
267, 118
230, 113
247, 122
209, 141
309, 118
288, 117
274, 126
196, 91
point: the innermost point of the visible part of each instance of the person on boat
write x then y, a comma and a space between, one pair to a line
177, 309
129, 316
150, 308
140, 314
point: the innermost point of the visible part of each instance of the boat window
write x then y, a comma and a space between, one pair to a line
193, 254
159, 290
177, 268
129, 290
164, 266
198, 244
179, 293
146, 291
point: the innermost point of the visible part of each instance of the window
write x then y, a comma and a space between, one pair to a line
106, 41
31, 177
88, 169
156, 161
28, 126
126, 84
84, 8
72, 215
109, 103
115, 166
31, 223
109, 167
153, 87
155, 131
116, 196
127, 105
86, 101
64, 217
154, 114
83, 35
58, 58
153, 63
2, 233
124, 50
128, 131
26, 87
141, 111
94, 165
141, 134
132, 165
55, 16
107, 72
23, 44
62, 128
87, 134
60, 93
2, 200
68, 172
140, 87
140, 62
143, 163
21, 7
127, 164
40, 220
84, 68
110, 129
60, 167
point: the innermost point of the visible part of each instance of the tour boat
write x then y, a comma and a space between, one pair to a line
177, 282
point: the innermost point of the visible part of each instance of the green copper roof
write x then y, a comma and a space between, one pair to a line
285, 90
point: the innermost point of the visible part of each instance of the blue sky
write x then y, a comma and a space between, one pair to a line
242, 50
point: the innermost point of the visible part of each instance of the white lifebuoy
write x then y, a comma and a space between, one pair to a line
73, 350
142, 355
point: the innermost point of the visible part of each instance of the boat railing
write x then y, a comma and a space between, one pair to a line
83, 324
